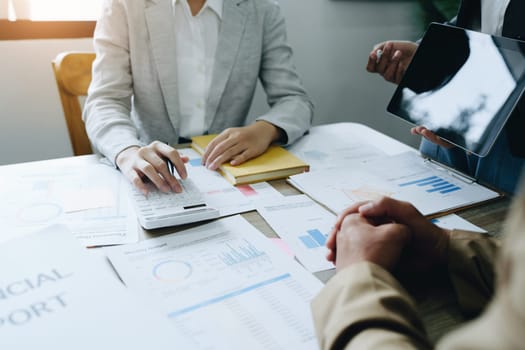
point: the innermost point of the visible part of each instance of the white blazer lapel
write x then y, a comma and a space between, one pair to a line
159, 19
232, 28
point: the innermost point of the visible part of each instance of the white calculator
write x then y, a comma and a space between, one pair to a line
159, 209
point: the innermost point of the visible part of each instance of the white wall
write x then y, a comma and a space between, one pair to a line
32, 125
331, 40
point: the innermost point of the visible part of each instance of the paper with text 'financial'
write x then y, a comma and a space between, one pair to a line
224, 285
53, 295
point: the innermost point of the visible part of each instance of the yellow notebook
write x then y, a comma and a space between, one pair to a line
275, 163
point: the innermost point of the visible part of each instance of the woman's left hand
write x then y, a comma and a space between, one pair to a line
237, 145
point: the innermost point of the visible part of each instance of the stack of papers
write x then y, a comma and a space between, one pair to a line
344, 144
90, 199
407, 176
220, 194
304, 227
53, 295
222, 285
225, 285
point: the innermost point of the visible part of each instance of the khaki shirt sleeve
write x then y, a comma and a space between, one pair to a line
502, 325
364, 307
471, 258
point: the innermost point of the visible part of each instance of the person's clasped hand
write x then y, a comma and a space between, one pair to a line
360, 239
148, 163
389, 233
237, 145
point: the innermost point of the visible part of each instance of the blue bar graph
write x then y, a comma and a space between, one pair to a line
309, 242
420, 181
313, 239
433, 184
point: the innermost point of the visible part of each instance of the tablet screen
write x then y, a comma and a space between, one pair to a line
462, 85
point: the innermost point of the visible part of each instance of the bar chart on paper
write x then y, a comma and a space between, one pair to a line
240, 254
304, 226
314, 239
433, 184
224, 286
429, 187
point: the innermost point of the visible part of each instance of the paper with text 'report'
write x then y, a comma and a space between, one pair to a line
53, 295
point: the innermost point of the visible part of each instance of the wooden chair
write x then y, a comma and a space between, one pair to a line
73, 76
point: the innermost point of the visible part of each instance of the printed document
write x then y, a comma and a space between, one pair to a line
53, 295
224, 285
220, 194
343, 144
86, 196
456, 222
429, 187
304, 226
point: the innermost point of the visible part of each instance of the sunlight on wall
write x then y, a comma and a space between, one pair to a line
11, 11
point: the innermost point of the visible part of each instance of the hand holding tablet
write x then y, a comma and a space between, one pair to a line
462, 86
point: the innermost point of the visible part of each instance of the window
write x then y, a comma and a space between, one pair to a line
47, 19
53, 10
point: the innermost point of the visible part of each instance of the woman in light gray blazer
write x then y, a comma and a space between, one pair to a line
167, 69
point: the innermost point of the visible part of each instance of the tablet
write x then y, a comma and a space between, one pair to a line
462, 85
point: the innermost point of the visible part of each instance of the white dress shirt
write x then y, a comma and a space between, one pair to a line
492, 15
196, 38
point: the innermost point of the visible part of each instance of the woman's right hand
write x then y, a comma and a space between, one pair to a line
149, 163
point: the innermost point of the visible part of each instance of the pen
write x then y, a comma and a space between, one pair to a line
171, 170
170, 167
169, 164
379, 53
